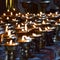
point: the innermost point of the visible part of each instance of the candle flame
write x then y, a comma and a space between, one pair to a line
40, 29
4, 14
10, 42
26, 27
43, 22
46, 28
24, 37
11, 13
7, 18
18, 25
34, 34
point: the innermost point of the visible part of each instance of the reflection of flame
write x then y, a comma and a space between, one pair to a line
40, 29
10, 42
43, 22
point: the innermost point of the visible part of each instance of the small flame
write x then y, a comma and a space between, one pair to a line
11, 13
24, 37
22, 15
7, 18
41, 13
26, 27
34, 26
40, 29
56, 13
56, 23
50, 13
46, 28
4, 14
14, 9
10, 42
18, 25
59, 20
34, 34
43, 22
6, 28
8, 10
16, 14
9, 32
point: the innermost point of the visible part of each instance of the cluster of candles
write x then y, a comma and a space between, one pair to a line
16, 23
